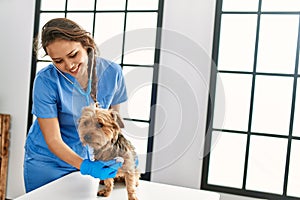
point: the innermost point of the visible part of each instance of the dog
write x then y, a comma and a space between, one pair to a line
101, 129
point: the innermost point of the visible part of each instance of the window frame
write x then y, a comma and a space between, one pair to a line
211, 105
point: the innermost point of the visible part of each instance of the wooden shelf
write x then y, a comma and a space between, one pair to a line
4, 145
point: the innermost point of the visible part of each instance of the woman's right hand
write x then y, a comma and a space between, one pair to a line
100, 169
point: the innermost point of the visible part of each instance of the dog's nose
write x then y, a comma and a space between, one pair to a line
87, 138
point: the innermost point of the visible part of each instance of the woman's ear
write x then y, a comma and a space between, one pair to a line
116, 116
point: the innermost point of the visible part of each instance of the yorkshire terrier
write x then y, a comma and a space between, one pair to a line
101, 130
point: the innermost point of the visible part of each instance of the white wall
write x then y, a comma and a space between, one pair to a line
16, 23
183, 92
182, 95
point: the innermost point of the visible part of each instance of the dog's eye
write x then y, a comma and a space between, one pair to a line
86, 123
99, 125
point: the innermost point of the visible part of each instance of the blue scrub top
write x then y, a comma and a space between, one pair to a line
54, 96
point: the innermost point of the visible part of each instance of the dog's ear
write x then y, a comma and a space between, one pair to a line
116, 116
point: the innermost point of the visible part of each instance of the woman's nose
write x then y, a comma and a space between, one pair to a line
69, 65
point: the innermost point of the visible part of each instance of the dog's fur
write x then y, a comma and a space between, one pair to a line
101, 130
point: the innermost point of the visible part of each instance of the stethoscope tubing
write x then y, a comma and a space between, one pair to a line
77, 87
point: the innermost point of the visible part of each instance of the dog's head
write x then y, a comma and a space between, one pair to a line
98, 126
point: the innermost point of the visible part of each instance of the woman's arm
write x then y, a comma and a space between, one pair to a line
97, 169
116, 107
51, 131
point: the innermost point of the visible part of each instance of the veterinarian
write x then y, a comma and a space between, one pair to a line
76, 78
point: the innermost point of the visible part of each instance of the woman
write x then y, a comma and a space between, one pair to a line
76, 79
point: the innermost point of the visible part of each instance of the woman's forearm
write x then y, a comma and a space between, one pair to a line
51, 131
65, 153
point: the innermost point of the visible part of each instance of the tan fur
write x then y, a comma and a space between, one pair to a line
100, 129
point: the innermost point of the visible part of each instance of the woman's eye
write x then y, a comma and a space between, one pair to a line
99, 125
58, 61
72, 56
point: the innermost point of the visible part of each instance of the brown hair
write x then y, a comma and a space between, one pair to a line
66, 29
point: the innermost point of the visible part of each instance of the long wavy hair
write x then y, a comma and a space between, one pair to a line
66, 29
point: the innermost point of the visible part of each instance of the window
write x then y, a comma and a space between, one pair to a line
119, 28
254, 149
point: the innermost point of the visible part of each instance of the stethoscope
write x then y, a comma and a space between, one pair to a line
86, 93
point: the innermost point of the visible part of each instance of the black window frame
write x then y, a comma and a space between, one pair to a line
209, 124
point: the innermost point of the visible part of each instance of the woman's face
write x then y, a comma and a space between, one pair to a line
69, 57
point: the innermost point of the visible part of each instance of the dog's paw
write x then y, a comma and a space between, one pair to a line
103, 193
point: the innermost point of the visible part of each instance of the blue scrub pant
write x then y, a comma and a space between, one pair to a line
38, 172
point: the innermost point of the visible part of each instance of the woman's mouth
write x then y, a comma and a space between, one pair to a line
75, 69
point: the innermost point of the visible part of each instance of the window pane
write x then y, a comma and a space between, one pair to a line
81, 5
294, 173
277, 43
296, 129
238, 5
237, 88
142, 5
138, 49
44, 18
237, 42
139, 56
42, 54
139, 87
266, 165
53, 5
280, 5
109, 35
219, 104
227, 159
141, 20
137, 133
83, 19
111, 4
272, 104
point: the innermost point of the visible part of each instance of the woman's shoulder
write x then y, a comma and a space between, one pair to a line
47, 71
107, 65
47, 74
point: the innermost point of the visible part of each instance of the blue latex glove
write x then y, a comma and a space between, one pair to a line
100, 169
